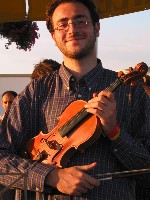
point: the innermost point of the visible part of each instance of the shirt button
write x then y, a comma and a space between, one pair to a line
72, 79
79, 95
103, 134
89, 89
115, 150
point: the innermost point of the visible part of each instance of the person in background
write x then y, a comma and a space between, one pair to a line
7, 99
144, 81
143, 190
146, 84
44, 67
122, 118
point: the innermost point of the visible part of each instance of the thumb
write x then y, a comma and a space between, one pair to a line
95, 94
86, 167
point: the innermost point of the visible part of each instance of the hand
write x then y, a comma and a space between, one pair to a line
104, 106
73, 180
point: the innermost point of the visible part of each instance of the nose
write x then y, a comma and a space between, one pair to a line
9, 103
72, 27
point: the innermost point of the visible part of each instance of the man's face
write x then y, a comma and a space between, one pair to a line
76, 41
7, 101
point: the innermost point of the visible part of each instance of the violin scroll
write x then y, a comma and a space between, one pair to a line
133, 75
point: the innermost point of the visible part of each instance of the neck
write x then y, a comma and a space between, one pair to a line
79, 68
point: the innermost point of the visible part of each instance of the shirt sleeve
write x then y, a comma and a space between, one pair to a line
18, 127
132, 147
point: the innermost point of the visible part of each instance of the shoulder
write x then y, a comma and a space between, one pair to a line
109, 76
109, 72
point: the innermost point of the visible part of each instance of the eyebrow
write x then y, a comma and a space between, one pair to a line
7, 101
76, 17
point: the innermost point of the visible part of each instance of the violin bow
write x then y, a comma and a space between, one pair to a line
115, 175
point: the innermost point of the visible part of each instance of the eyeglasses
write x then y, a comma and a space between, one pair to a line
64, 26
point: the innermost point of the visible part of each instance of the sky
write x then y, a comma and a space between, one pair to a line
124, 42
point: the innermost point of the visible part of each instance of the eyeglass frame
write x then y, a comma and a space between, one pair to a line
77, 23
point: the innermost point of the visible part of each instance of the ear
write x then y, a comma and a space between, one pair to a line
53, 37
97, 29
2, 103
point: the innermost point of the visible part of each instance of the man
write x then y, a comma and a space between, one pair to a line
124, 142
7, 99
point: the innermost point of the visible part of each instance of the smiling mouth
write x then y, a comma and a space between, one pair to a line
74, 39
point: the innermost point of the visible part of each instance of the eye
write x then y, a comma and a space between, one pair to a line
62, 25
81, 22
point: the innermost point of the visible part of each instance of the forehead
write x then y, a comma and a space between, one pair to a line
70, 10
7, 97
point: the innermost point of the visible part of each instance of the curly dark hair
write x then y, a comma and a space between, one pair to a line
44, 67
55, 3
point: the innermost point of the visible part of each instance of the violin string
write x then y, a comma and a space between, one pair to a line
76, 118
114, 85
74, 121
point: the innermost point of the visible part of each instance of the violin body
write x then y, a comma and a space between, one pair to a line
58, 149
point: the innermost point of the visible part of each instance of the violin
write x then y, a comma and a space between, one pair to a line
77, 129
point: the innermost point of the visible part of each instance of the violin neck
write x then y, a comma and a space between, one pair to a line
114, 85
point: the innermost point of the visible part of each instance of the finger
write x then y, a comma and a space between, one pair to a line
101, 103
97, 105
74, 193
90, 182
87, 181
82, 189
86, 167
108, 95
95, 95
101, 99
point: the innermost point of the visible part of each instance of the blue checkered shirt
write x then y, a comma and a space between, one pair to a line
37, 109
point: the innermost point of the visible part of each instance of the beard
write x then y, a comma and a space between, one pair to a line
77, 53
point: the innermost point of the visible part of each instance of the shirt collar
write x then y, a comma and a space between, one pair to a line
93, 75
65, 75
88, 78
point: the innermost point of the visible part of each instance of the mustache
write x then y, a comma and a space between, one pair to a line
75, 37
